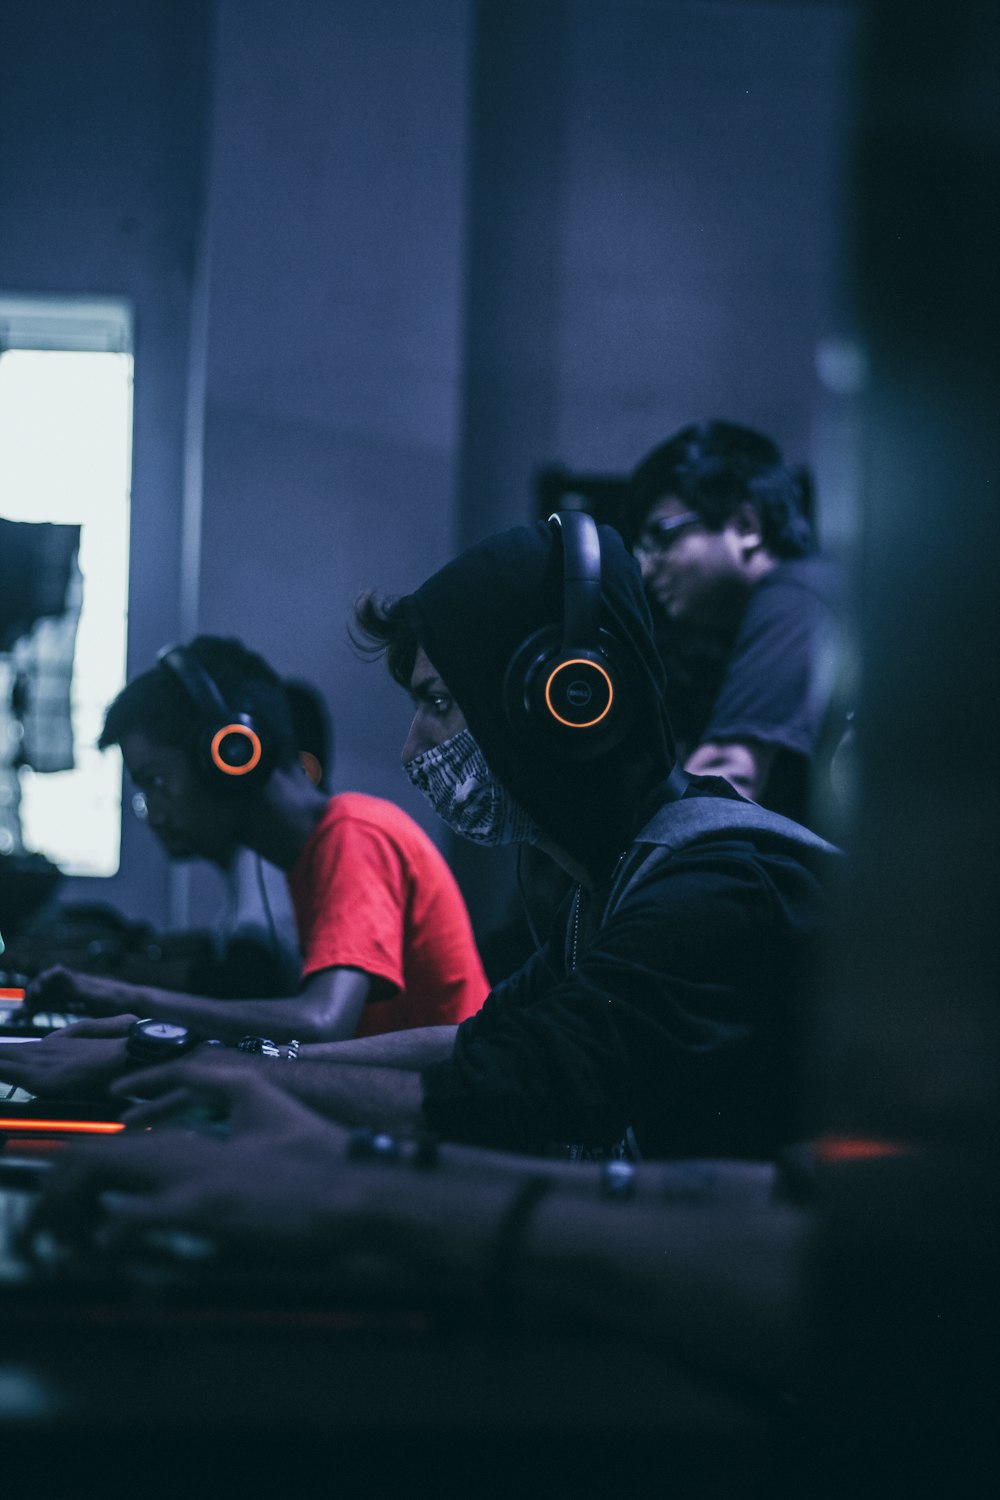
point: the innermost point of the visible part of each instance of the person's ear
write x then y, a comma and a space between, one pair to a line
311, 766
748, 528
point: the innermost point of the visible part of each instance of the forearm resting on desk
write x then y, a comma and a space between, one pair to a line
351, 1094
720, 1283
721, 1280
327, 1007
414, 1049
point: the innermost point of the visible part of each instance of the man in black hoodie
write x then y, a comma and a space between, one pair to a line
667, 1006
665, 1009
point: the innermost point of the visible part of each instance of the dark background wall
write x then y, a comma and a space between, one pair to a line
389, 259
656, 217
333, 370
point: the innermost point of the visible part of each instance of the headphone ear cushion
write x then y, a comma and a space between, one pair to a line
236, 748
233, 753
230, 749
578, 700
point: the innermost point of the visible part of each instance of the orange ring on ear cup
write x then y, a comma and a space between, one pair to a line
579, 661
255, 755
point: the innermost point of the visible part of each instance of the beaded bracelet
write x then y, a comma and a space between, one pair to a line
263, 1046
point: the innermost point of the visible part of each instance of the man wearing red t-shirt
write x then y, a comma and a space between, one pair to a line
372, 893
385, 937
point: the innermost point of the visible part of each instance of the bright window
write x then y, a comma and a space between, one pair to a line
65, 457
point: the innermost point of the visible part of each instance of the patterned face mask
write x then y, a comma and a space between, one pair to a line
463, 791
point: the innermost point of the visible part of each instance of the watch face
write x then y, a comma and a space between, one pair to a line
163, 1031
154, 1040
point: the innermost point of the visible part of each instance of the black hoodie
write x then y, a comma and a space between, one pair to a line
470, 619
677, 1013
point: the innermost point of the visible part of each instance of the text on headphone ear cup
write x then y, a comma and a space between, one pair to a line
578, 691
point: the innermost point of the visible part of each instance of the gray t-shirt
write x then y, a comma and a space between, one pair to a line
780, 675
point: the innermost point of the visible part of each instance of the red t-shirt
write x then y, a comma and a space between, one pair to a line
371, 892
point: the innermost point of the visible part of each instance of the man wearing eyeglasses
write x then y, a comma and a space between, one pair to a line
748, 611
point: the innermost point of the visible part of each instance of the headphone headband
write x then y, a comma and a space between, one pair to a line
569, 684
581, 550
196, 681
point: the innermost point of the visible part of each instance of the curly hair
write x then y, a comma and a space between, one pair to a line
385, 627
714, 467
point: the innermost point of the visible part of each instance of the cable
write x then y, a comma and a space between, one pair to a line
532, 929
524, 899
265, 901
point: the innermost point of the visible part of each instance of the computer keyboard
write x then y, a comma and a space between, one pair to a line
9, 1092
12, 1031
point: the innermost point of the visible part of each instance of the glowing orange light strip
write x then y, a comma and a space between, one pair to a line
840, 1148
73, 1127
14, 996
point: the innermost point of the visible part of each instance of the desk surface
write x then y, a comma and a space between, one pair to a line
283, 1364
261, 1371
490, 1409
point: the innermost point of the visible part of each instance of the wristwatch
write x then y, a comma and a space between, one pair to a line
155, 1041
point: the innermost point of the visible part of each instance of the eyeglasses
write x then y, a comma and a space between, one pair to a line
656, 539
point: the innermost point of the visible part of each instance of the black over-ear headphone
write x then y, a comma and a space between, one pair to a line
570, 684
229, 745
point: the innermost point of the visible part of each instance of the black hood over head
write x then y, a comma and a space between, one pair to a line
472, 616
